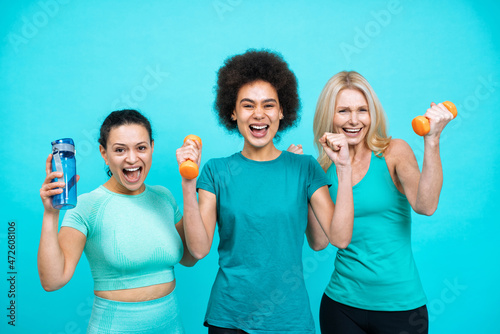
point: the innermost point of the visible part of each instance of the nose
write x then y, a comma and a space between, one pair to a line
354, 117
258, 112
131, 157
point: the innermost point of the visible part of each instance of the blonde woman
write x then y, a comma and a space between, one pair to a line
375, 287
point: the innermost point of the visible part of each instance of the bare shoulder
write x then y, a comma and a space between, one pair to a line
399, 154
398, 149
401, 162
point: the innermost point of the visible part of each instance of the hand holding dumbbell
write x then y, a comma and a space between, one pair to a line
189, 169
421, 124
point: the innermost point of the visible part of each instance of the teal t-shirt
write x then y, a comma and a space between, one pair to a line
131, 239
262, 217
377, 270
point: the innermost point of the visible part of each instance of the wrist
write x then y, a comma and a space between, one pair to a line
344, 171
187, 183
431, 141
51, 216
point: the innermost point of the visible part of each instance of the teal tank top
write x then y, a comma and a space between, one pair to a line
377, 270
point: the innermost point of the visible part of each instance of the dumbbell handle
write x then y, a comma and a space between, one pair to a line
421, 124
189, 169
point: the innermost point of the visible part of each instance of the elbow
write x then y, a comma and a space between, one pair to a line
198, 255
317, 241
189, 262
429, 211
196, 250
50, 287
188, 259
318, 246
426, 206
342, 239
342, 243
50, 284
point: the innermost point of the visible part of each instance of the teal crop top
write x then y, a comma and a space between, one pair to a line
131, 239
377, 270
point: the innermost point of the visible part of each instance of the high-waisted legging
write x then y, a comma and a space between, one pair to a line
220, 330
337, 318
150, 317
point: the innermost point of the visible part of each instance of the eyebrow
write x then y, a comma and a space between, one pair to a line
362, 106
252, 101
120, 144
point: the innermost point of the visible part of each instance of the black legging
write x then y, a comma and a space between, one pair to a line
337, 318
219, 330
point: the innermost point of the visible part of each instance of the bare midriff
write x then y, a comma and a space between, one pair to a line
138, 294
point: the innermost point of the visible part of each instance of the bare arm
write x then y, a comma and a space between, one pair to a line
316, 237
336, 220
422, 189
58, 253
200, 215
188, 260
322, 216
199, 219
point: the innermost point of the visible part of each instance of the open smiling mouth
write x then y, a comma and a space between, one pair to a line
259, 130
351, 131
132, 175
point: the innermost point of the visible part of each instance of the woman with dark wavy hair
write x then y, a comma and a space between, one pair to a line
131, 233
259, 199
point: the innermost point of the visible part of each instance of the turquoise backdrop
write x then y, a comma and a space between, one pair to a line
65, 64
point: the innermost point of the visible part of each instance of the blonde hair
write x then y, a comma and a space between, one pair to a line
376, 139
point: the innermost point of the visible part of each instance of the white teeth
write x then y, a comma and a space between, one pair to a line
258, 127
352, 130
131, 169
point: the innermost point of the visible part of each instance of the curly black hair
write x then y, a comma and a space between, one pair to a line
251, 66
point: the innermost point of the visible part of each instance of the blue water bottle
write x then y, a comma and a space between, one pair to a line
63, 160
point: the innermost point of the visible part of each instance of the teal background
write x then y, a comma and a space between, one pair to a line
64, 65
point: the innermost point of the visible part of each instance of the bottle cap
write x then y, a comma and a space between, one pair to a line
64, 144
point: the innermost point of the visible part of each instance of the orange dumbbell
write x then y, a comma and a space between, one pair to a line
189, 169
421, 124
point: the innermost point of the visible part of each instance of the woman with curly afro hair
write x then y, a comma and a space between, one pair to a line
260, 198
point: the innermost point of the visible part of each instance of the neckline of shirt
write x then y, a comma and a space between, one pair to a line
277, 159
146, 189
